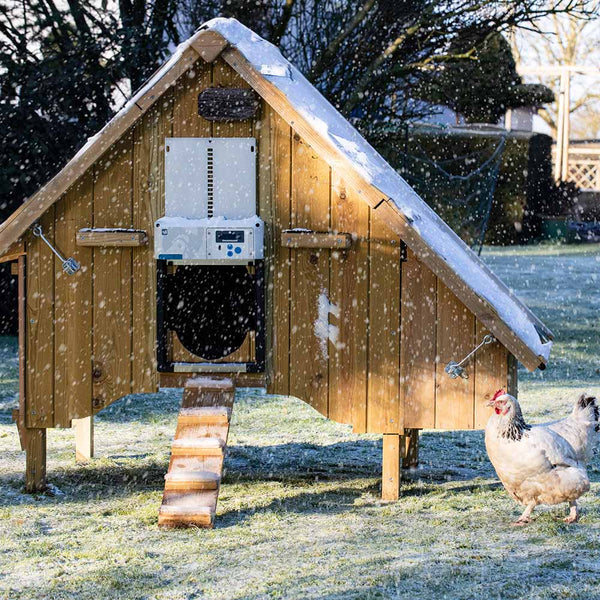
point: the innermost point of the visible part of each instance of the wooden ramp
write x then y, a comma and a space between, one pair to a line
196, 466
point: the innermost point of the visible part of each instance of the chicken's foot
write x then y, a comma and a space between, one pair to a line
573, 513
525, 517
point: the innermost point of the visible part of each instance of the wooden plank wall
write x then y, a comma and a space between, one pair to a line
309, 355
113, 289
356, 333
384, 412
148, 206
438, 328
275, 209
335, 314
40, 327
73, 308
349, 292
85, 338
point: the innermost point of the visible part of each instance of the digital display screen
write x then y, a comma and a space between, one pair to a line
224, 237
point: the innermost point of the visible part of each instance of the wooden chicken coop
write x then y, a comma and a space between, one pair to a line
229, 222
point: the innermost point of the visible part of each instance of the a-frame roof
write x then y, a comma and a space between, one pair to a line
337, 142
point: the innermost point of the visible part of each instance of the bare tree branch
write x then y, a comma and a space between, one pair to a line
323, 60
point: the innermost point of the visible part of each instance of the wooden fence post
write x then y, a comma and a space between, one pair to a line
411, 453
84, 438
35, 460
391, 472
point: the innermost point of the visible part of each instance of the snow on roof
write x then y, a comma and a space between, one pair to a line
328, 122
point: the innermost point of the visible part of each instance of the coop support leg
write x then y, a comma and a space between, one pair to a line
411, 453
84, 438
391, 472
35, 460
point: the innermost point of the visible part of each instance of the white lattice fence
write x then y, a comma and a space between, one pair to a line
584, 172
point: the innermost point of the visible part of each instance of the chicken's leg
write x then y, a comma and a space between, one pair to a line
525, 518
573, 513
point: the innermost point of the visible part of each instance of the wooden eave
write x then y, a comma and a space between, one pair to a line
209, 45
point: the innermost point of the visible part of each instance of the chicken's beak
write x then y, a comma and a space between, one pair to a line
491, 402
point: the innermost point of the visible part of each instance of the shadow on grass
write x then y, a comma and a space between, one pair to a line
125, 474
293, 464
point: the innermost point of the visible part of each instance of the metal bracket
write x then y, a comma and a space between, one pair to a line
69, 265
455, 369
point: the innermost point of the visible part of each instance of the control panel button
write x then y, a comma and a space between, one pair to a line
238, 250
229, 246
229, 253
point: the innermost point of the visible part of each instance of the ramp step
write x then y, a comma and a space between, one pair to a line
171, 515
192, 480
206, 415
206, 446
210, 384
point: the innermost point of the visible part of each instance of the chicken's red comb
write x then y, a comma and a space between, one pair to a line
498, 393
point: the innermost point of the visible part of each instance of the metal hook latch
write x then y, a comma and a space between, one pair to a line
69, 265
455, 369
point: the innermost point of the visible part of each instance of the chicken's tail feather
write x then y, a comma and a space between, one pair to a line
587, 409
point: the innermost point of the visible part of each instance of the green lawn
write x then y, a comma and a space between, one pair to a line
299, 514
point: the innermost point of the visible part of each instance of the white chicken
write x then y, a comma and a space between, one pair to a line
546, 463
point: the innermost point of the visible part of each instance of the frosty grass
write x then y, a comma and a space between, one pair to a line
299, 514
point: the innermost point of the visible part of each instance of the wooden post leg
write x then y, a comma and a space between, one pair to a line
84, 438
35, 460
393, 452
411, 454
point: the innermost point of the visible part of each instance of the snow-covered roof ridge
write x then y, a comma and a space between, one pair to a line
328, 122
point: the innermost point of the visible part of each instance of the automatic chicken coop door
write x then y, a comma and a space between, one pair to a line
209, 249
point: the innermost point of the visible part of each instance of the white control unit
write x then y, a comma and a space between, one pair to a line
209, 241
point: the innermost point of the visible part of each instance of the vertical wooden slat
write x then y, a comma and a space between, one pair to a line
266, 210
349, 292
22, 312
277, 218
112, 277
309, 278
454, 404
186, 120
491, 371
512, 383
40, 327
418, 345
384, 411
148, 206
73, 307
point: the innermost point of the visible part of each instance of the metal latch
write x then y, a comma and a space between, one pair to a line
69, 265
455, 369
